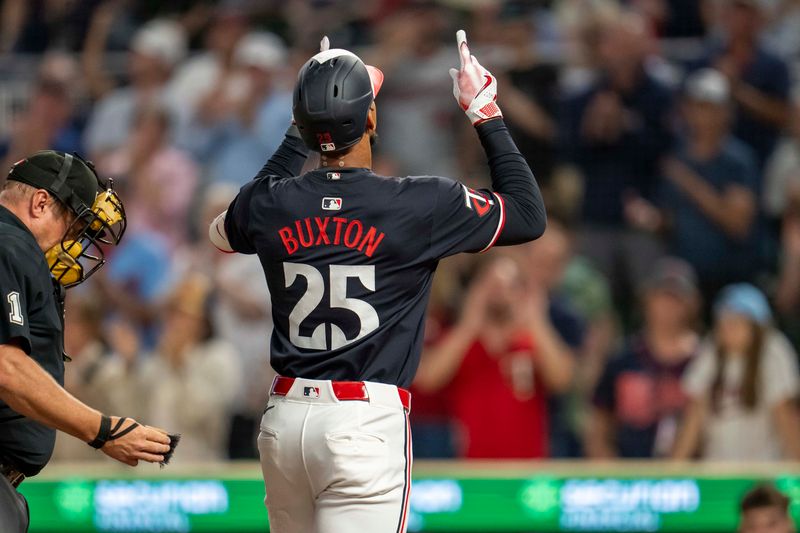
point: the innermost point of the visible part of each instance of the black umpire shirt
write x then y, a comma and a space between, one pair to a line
32, 318
349, 256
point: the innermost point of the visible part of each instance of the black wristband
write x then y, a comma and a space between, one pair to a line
108, 433
103, 434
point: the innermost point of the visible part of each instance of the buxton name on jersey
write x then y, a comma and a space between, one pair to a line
315, 231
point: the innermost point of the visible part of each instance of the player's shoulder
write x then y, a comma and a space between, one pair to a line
425, 192
264, 185
432, 183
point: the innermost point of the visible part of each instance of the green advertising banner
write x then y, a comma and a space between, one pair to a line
455, 499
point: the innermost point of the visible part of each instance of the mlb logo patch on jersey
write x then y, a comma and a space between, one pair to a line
334, 176
331, 204
311, 392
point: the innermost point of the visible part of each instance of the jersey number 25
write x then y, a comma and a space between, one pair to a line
339, 275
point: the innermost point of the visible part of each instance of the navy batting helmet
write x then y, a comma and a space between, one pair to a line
334, 92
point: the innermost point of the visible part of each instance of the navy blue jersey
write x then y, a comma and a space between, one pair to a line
31, 314
349, 257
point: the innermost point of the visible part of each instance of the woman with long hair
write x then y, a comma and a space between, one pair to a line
742, 386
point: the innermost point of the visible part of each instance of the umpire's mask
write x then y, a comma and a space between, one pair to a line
99, 213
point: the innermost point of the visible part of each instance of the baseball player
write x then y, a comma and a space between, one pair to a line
349, 257
55, 214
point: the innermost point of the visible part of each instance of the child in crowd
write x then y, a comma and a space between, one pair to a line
742, 386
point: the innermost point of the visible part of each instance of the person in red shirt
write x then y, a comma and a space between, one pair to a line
490, 372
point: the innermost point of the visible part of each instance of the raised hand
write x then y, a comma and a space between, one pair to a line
474, 87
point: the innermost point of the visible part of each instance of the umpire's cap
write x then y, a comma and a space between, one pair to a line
334, 92
69, 178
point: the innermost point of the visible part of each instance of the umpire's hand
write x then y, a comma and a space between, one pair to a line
143, 443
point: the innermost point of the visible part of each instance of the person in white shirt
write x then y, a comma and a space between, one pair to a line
192, 376
742, 386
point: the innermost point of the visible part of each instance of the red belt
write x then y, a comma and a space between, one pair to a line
343, 390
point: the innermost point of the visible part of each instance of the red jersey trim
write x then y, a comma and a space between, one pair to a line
401, 526
500, 223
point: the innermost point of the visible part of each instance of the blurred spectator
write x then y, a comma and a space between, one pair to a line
781, 34
91, 371
46, 124
496, 369
787, 291
710, 190
530, 94
156, 49
431, 420
673, 18
36, 26
782, 205
238, 131
210, 77
103, 357
742, 386
136, 280
85, 346
764, 509
638, 400
782, 173
189, 382
581, 22
760, 83
588, 293
156, 181
416, 103
348, 24
241, 316
559, 334
615, 133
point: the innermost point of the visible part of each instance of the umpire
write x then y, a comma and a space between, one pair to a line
55, 214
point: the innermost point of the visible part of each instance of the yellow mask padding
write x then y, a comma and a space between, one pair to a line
63, 264
106, 207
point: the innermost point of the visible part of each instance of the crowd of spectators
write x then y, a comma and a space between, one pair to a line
657, 316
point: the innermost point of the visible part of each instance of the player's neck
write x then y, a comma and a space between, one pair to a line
360, 156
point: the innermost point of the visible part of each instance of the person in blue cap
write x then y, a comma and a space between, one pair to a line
742, 386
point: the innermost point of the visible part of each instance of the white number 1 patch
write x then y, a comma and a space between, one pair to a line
15, 316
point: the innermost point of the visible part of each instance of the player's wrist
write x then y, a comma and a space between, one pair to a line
482, 122
108, 432
479, 112
103, 432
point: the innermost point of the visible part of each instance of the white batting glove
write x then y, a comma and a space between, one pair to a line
474, 87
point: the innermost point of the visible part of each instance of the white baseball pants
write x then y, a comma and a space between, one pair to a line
336, 466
